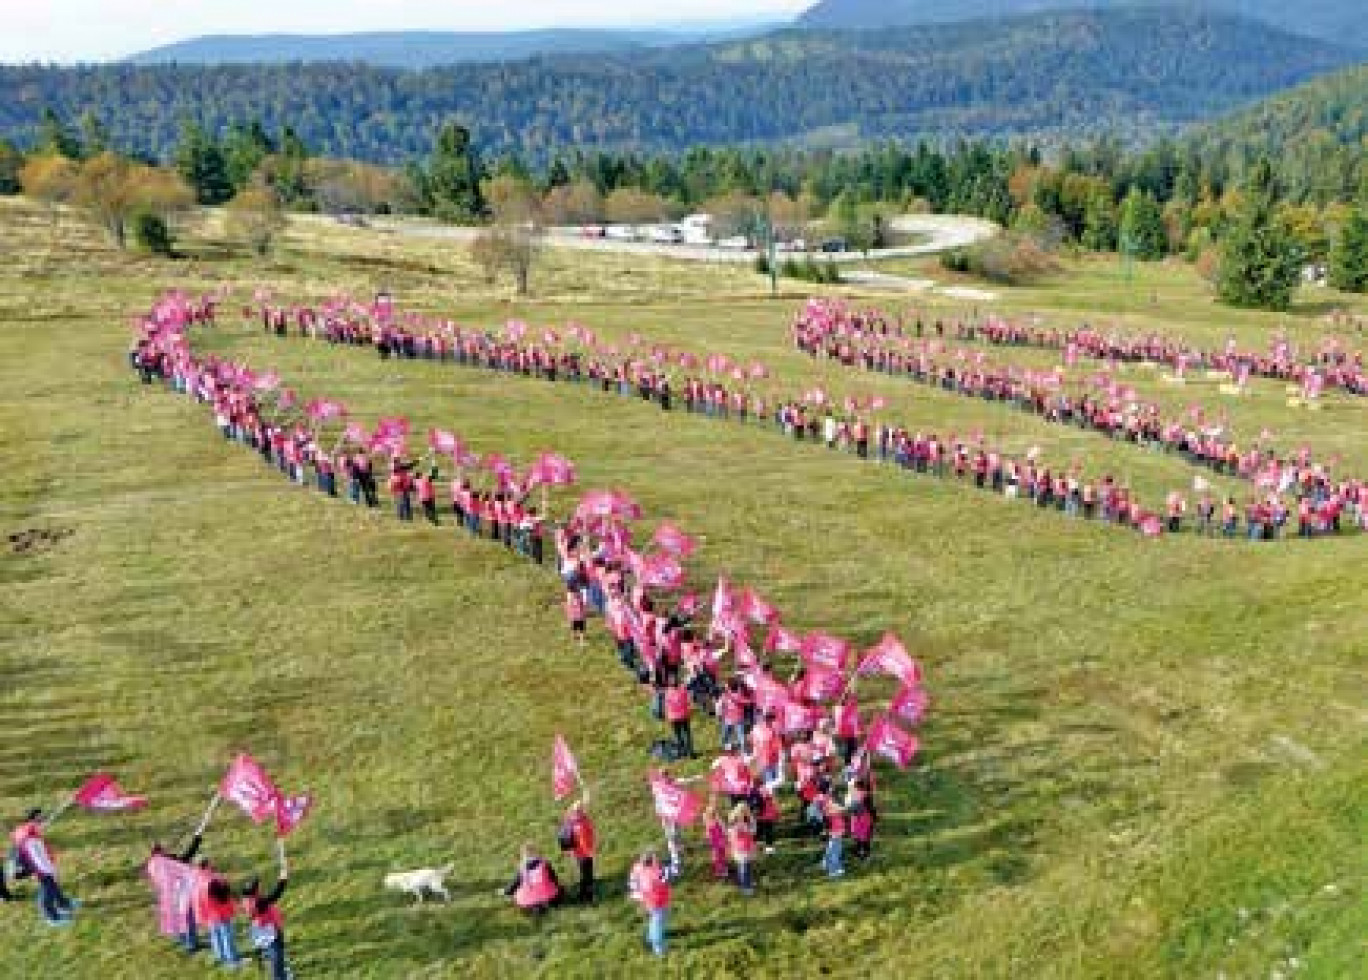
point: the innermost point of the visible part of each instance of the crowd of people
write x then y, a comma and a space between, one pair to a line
1290, 494
1332, 365
1288, 488
800, 735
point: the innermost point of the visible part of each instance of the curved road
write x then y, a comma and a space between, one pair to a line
942, 231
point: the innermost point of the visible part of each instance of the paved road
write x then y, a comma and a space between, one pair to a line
941, 231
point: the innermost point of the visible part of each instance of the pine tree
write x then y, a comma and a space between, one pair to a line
1099, 222
1260, 259
200, 161
54, 139
451, 180
1349, 257
1142, 232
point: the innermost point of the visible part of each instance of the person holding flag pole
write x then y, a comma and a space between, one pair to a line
33, 858
265, 922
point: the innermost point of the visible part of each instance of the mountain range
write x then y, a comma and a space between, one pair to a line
1132, 72
1341, 22
426, 49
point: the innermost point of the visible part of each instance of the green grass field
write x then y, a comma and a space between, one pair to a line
1145, 758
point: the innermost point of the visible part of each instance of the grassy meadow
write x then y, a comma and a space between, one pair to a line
1144, 758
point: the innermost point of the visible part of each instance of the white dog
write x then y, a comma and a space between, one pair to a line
416, 883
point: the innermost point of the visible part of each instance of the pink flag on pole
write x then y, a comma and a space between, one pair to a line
247, 785
797, 717
565, 774
819, 684
670, 538
824, 650
661, 571
783, 640
891, 742
889, 656
910, 704
673, 802
443, 441
552, 470
392, 427
756, 609
356, 433
770, 694
101, 793
290, 811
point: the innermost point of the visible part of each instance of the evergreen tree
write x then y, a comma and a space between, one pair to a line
1349, 257
451, 181
94, 134
1099, 222
1260, 259
244, 149
11, 162
1142, 232
200, 161
54, 139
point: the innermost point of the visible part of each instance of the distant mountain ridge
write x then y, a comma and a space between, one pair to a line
1133, 73
426, 49
1342, 22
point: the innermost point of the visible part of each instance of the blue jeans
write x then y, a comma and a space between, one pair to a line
221, 942
274, 958
734, 735
831, 859
51, 902
655, 930
189, 939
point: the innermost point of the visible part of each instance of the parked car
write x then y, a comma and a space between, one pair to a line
736, 241
835, 245
667, 235
593, 231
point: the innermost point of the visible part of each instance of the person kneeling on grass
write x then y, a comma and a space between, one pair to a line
649, 886
535, 888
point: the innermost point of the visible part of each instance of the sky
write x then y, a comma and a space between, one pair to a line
98, 30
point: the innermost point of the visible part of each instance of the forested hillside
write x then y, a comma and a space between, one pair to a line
1131, 72
1316, 133
1340, 21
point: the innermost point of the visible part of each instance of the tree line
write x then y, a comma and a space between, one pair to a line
1169, 199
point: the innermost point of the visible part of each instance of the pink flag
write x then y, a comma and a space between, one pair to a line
565, 774
660, 572
324, 409
391, 427
552, 470
891, 742
670, 538
287, 400
290, 811
756, 609
673, 802
356, 433
267, 381
889, 656
247, 785
822, 685
1151, 526
783, 640
797, 717
722, 606
515, 330
823, 650
442, 441
101, 793
910, 704
757, 372
770, 694
174, 885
